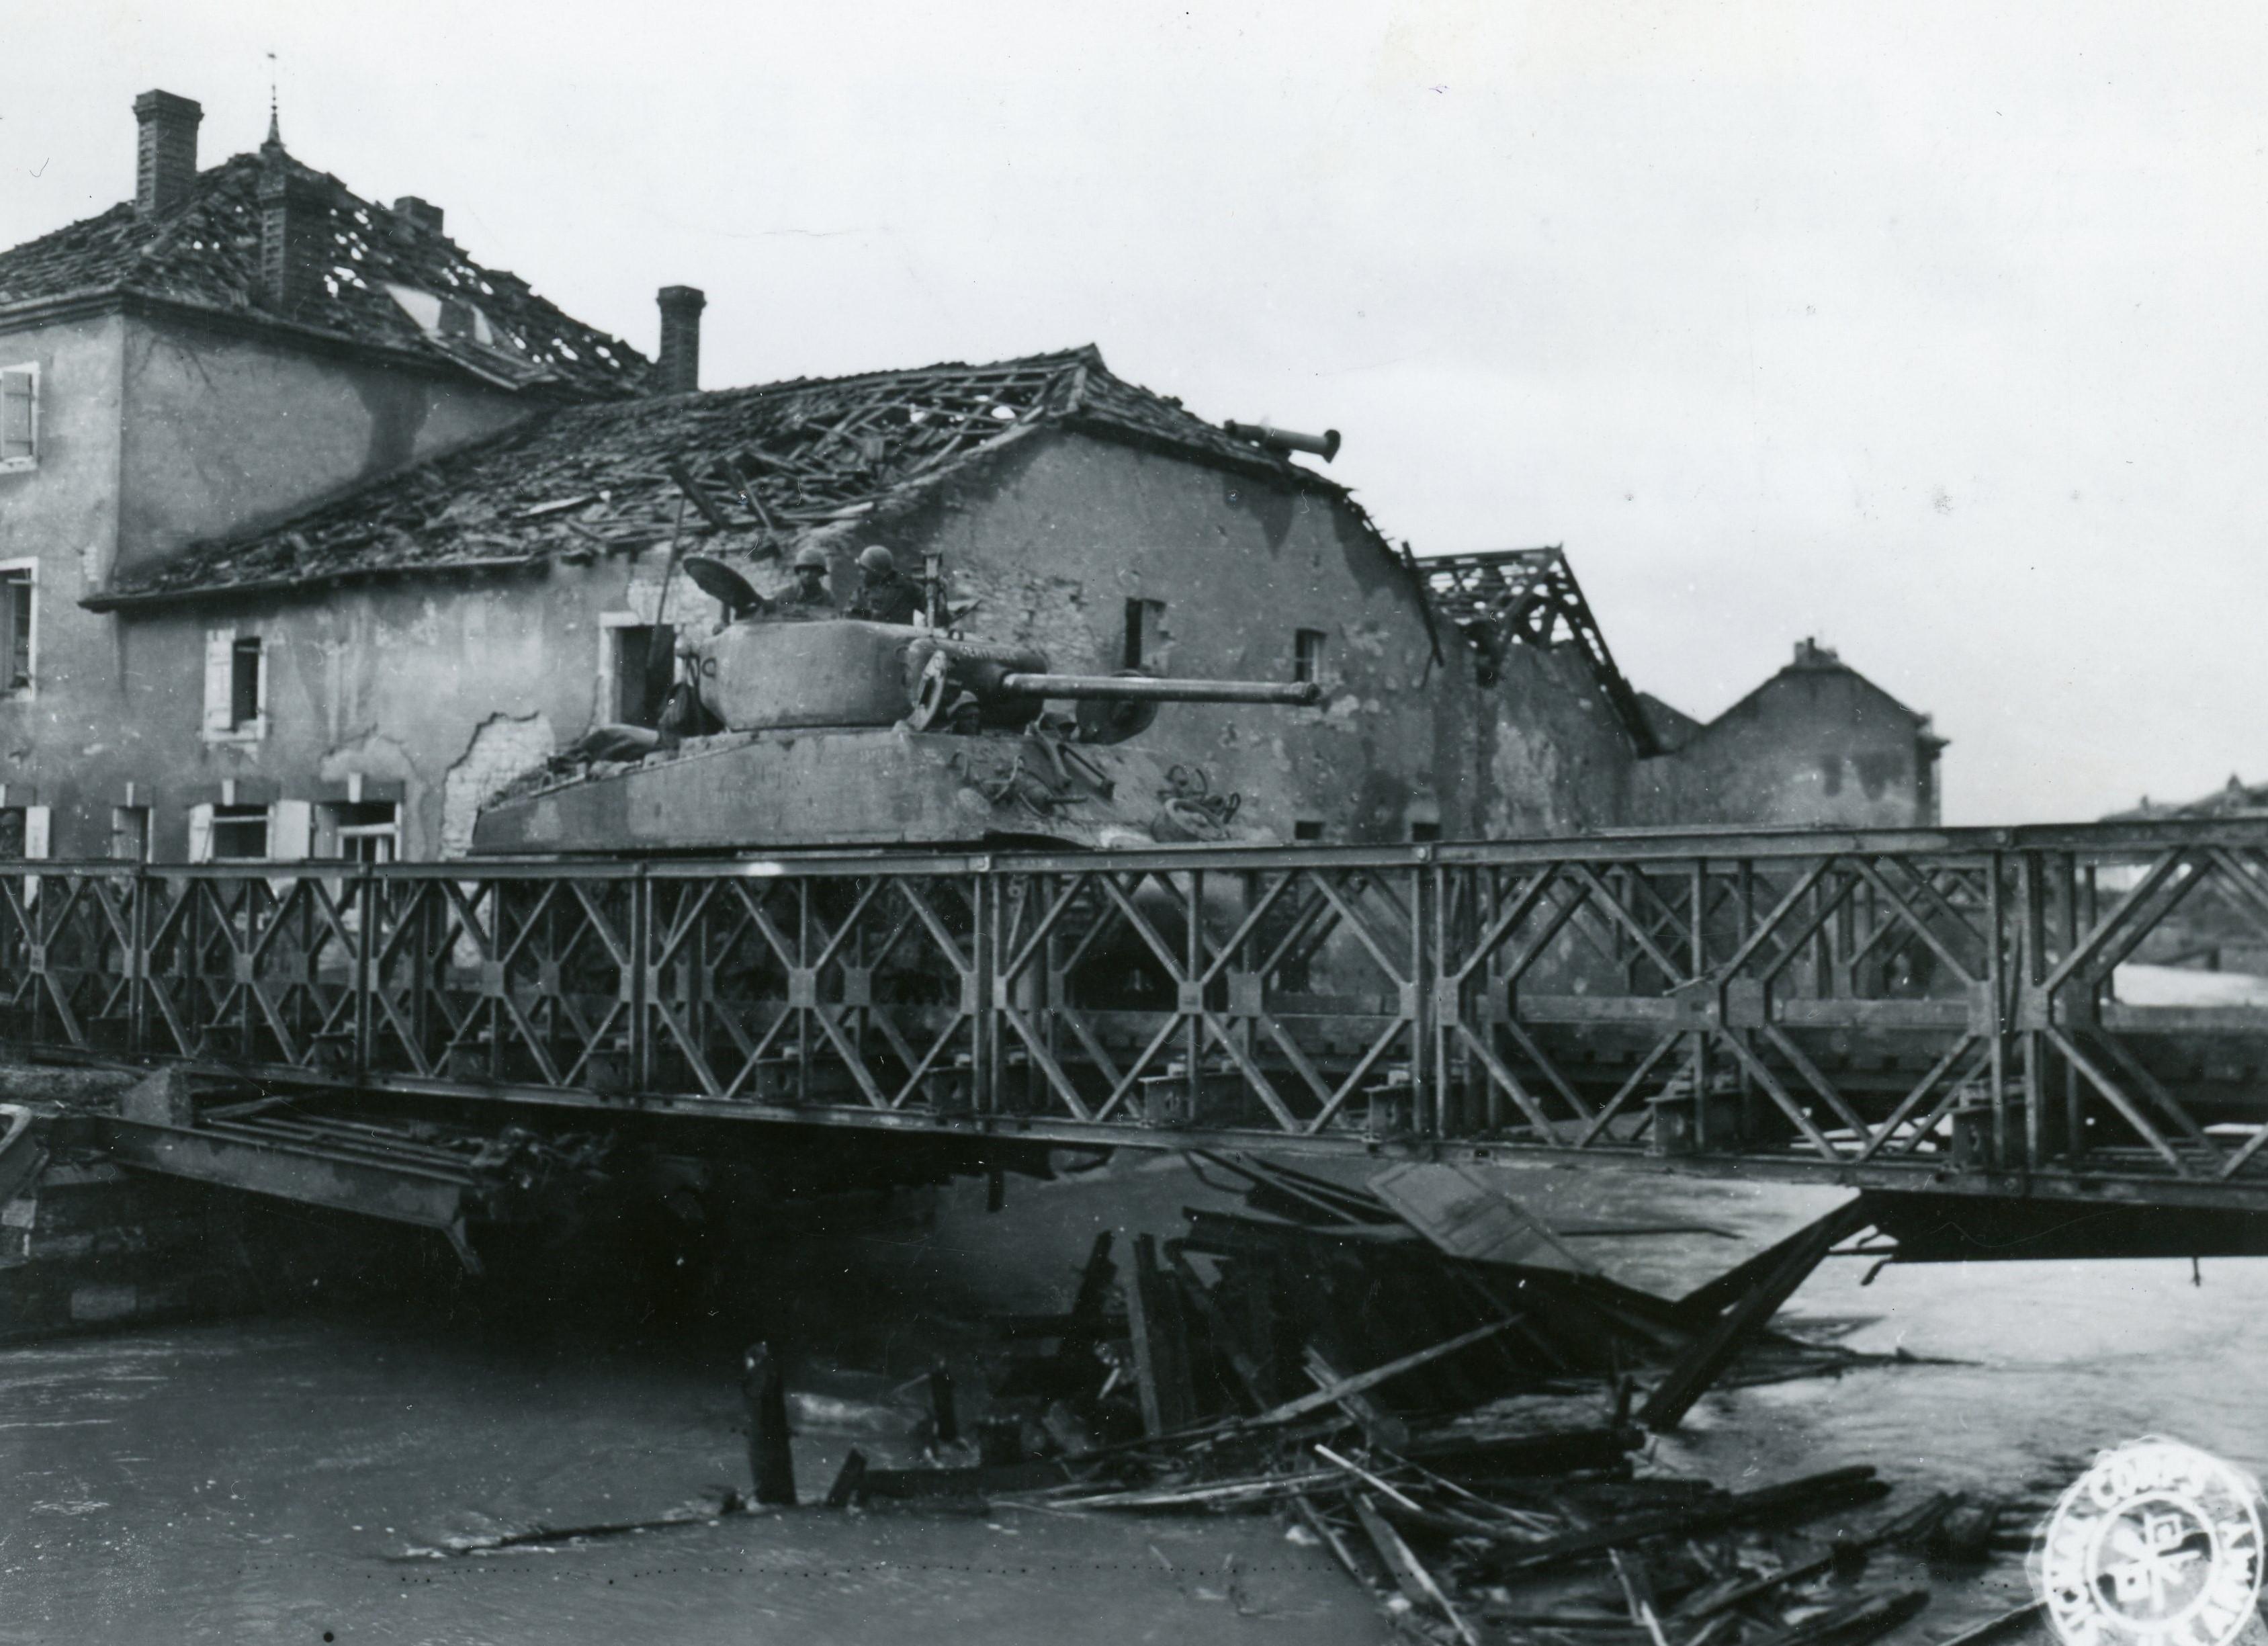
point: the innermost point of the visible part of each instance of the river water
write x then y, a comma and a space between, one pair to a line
290, 1478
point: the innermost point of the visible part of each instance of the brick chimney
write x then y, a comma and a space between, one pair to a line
677, 367
294, 220
424, 213
165, 157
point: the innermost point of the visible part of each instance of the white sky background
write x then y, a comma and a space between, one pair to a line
1939, 331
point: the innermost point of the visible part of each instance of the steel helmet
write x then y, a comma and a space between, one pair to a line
875, 557
810, 554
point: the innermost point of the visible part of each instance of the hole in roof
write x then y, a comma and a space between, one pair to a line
1005, 413
486, 288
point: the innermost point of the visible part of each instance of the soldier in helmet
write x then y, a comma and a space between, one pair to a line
810, 596
883, 595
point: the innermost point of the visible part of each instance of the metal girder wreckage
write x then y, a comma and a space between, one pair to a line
1508, 597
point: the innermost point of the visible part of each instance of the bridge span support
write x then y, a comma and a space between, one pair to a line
2011, 1015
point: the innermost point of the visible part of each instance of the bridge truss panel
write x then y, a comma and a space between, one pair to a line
1981, 1010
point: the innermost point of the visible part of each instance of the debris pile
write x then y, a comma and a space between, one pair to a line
1437, 1387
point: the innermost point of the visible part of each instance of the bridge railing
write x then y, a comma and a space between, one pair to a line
2018, 1006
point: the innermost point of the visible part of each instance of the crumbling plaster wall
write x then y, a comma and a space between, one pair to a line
1810, 747
1057, 534
62, 514
226, 430
444, 687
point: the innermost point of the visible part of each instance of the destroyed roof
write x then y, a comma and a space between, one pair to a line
1502, 597
387, 281
778, 462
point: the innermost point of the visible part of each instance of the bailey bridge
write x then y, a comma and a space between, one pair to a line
2010, 1019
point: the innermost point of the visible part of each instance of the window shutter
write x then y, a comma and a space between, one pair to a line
220, 648
201, 834
291, 831
35, 829
20, 414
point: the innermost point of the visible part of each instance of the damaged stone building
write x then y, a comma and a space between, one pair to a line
314, 532
1817, 743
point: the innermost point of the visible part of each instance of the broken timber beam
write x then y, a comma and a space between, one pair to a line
1705, 1362
1816, 1493
1159, 1337
1336, 1390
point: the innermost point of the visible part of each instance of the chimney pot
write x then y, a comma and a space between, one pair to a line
677, 367
165, 154
424, 213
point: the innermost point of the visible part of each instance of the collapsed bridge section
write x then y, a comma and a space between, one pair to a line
1981, 1012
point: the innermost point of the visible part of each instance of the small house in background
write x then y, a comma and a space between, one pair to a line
1816, 744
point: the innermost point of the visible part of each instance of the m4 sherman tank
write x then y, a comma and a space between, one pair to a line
839, 732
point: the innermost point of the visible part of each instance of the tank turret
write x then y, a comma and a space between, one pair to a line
834, 732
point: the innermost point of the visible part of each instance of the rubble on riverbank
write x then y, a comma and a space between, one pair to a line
1444, 1393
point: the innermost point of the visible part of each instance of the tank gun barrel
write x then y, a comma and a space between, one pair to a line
1144, 688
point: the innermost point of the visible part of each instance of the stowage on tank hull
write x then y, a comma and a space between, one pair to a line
856, 787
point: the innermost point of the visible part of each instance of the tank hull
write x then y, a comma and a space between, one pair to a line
874, 787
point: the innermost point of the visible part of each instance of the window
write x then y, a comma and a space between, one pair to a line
18, 580
1424, 831
244, 683
1306, 654
236, 687
1145, 628
1307, 829
240, 833
635, 695
129, 833
19, 418
359, 832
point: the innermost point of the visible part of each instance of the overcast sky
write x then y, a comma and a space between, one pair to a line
1940, 332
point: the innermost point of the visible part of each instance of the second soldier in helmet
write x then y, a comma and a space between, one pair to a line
883, 595
810, 590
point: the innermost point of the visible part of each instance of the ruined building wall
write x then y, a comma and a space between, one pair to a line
433, 692
1060, 533
227, 430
